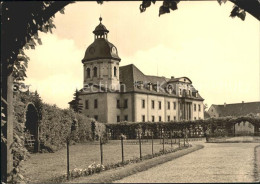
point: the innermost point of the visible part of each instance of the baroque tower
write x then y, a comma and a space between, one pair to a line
101, 61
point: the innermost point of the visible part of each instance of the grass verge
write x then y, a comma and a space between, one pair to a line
238, 139
122, 172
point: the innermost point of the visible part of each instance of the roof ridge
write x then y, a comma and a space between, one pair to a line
236, 103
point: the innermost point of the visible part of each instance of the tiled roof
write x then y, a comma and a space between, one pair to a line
238, 109
130, 74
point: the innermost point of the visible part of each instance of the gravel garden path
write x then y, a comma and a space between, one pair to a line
224, 162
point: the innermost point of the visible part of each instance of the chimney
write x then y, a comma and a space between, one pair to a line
172, 77
225, 104
242, 102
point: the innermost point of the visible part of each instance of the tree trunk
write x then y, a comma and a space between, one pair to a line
7, 129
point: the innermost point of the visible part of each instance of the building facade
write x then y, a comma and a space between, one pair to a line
113, 94
236, 109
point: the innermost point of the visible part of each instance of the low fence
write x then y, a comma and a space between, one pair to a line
147, 148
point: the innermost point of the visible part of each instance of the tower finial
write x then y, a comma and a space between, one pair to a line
100, 18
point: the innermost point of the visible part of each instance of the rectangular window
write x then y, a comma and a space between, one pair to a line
143, 103
126, 118
118, 104
160, 105
143, 118
169, 105
95, 103
195, 107
152, 118
174, 105
195, 118
86, 104
199, 108
169, 118
180, 91
118, 118
126, 103
160, 118
152, 104
174, 117
96, 117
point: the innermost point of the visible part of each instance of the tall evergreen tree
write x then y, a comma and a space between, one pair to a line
37, 101
75, 103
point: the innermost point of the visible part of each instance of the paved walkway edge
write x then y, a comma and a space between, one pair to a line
119, 173
257, 163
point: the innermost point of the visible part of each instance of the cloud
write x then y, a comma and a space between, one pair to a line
55, 69
219, 74
199, 40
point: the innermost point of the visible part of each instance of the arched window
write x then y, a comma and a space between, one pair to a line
115, 71
95, 71
88, 72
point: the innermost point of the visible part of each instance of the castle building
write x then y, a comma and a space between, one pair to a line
113, 94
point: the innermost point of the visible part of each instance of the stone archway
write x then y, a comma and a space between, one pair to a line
32, 128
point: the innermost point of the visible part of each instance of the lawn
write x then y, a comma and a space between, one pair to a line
237, 139
41, 167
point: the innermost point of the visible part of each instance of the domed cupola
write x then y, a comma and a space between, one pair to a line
101, 48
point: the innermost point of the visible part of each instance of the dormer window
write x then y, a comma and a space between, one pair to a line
155, 87
95, 72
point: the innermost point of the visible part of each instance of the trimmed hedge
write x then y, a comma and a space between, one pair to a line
220, 126
55, 123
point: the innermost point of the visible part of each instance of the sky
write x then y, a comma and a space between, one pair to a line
199, 40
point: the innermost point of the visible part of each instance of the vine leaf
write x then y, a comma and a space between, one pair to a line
62, 11
221, 1
163, 10
238, 12
167, 5
173, 5
234, 12
242, 15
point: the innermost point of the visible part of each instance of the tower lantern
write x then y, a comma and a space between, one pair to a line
100, 31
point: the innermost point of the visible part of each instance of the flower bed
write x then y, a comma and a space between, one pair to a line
97, 168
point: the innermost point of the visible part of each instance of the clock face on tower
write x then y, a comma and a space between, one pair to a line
113, 50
